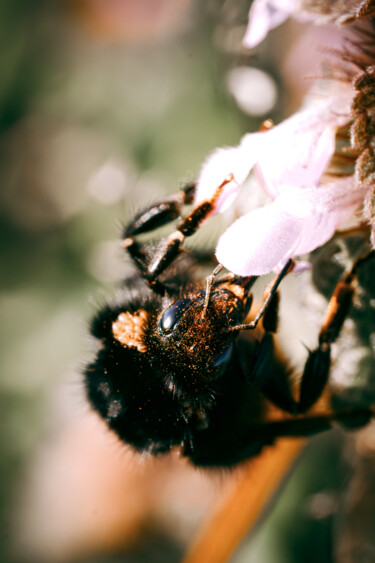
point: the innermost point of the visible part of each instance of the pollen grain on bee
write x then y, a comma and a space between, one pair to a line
128, 329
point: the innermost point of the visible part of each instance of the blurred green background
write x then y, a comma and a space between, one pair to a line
95, 122
105, 107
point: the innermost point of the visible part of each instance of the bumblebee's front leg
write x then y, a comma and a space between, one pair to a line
160, 214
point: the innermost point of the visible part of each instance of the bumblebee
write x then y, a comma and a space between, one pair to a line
181, 365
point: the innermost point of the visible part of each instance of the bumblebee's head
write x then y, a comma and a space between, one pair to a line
191, 340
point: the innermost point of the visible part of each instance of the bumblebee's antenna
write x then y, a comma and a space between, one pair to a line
209, 283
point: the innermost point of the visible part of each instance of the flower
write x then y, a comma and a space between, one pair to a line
265, 15
293, 160
290, 160
295, 152
296, 222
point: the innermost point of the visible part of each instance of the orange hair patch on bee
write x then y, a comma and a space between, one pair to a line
128, 329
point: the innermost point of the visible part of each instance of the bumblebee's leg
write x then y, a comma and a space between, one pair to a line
269, 299
314, 423
316, 371
209, 283
170, 247
268, 372
152, 218
206, 451
266, 433
273, 383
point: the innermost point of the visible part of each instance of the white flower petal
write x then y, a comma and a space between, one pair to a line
300, 148
328, 206
318, 220
258, 241
295, 223
265, 15
296, 160
294, 153
237, 161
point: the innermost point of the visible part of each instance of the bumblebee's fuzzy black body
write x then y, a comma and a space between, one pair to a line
169, 395
179, 366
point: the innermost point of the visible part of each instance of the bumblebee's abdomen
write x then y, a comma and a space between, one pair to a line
124, 391
147, 429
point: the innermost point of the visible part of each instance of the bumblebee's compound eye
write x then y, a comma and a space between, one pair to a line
224, 357
173, 314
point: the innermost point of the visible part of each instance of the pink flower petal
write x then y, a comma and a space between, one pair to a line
265, 15
300, 148
295, 159
237, 161
295, 223
258, 241
294, 153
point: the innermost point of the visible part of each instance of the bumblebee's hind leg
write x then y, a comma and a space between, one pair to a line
317, 367
273, 383
207, 453
307, 425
